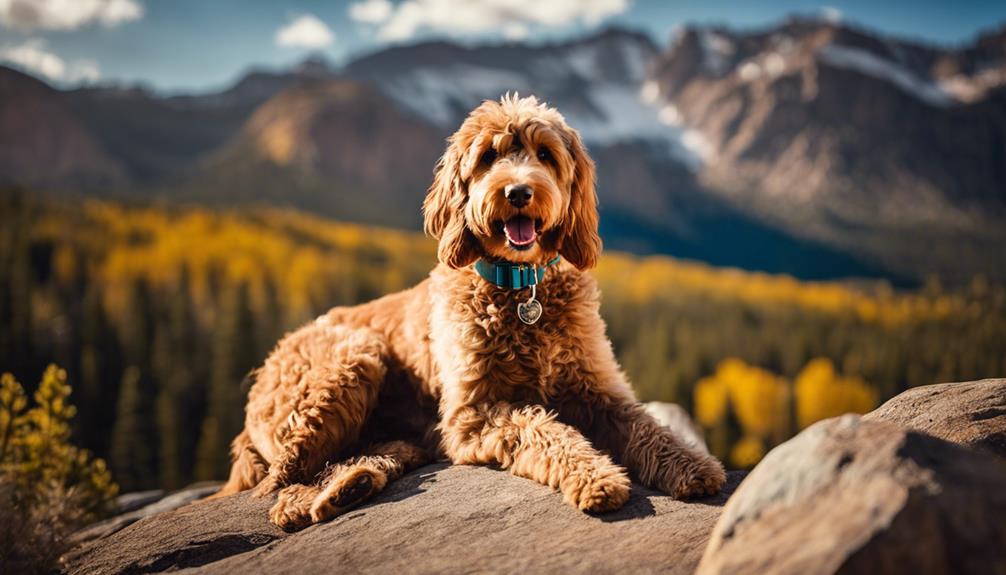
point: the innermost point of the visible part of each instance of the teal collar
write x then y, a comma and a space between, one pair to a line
511, 275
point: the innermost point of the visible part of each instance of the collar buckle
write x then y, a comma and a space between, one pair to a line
512, 275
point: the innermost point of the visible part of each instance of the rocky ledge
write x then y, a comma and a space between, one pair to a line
917, 486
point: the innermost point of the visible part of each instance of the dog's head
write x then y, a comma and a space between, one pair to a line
515, 184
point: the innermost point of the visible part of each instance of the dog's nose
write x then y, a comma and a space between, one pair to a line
518, 194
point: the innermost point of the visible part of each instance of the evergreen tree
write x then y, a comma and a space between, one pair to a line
176, 357
15, 285
134, 444
271, 320
170, 379
133, 453
99, 372
234, 355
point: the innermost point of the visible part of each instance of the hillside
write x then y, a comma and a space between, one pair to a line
870, 145
43, 143
333, 147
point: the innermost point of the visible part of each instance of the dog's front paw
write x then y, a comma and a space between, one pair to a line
292, 510
347, 489
605, 488
704, 477
267, 486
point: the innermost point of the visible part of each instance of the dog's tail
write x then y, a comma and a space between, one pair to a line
247, 470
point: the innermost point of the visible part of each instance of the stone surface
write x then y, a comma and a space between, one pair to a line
971, 413
437, 519
848, 495
136, 506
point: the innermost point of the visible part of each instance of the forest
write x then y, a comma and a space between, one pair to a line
157, 313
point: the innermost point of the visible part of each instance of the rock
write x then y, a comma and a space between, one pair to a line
437, 519
128, 502
675, 417
154, 502
852, 495
971, 413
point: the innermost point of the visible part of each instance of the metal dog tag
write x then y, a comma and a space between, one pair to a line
529, 311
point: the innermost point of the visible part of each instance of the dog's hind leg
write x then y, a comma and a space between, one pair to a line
338, 373
345, 485
248, 469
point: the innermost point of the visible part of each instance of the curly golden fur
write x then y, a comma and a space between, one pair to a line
447, 368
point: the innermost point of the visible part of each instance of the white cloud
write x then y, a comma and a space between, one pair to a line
831, 14
371, 11
34, 56
305, 31
67, 14
511, 17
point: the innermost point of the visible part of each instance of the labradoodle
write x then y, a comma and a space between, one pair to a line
498, 358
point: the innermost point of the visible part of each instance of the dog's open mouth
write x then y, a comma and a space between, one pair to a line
521, 232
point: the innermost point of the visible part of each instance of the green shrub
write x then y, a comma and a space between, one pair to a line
48, 486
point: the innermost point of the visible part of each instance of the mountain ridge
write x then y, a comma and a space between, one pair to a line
814, 140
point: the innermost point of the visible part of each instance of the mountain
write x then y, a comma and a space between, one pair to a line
331, 146
160, 138
810, 148
42, 142
871, 145
650, 198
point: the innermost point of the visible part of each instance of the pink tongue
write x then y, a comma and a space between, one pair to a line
520, 230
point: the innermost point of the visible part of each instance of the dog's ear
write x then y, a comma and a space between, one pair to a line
581, 243
443, 212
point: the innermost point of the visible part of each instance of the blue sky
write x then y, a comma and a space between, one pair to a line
180, 45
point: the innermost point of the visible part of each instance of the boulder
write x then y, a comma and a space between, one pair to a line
850, 495
675, 417
971, 413
136, 506
440, 518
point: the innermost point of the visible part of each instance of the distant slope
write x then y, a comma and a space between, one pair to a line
44, 144
155, 138
336, 147
871, 145
160, 138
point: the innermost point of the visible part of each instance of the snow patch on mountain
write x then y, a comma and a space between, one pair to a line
624, 115
438, 95
601, 89
717, 50
870, 64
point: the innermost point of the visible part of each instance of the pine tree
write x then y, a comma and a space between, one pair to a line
132, 453
136, 328
15, 285
174, 355
272, 322
134, 444
169, 429
99, 371
234, 355
191, 359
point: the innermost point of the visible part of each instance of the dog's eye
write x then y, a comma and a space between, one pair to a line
544, 155
488, 157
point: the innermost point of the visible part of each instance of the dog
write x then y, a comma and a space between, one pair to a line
498, 358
